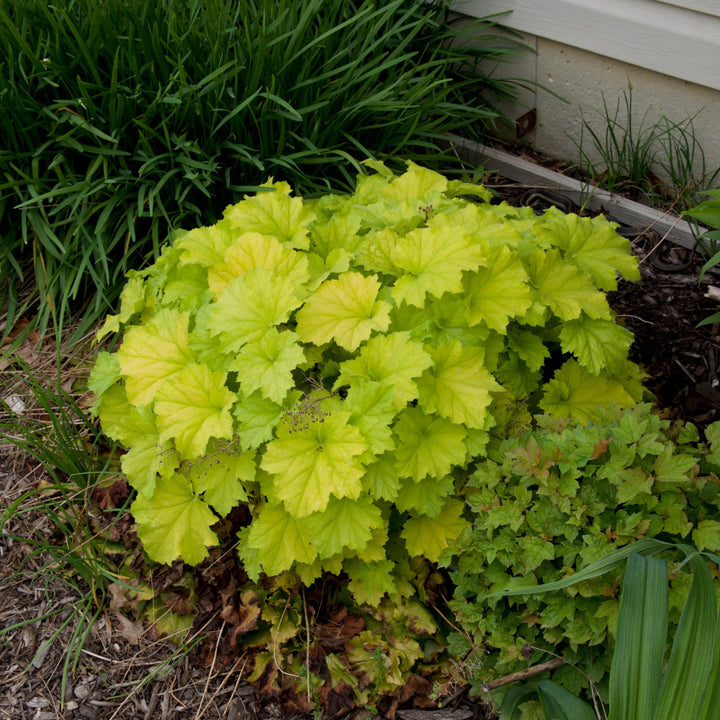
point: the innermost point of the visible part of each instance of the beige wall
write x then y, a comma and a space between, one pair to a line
580, 79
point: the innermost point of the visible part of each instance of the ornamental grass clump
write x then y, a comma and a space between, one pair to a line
338, 366
124, 118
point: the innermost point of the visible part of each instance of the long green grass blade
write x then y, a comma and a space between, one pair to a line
710, 706
686, 678
636, 671
557, 702
644, 547
514, 698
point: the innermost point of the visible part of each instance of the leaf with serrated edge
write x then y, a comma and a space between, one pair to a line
250, 306
566, 289
344, 524
273, 213
252, 250
433, 261
575, 392
592, 244
345, 310
499, 291
153, 353
205, 246
220, 476
426, 497
428, 537
267, 364
457, 386
370, 581
310, 465
174, 522
598, 344
428, 445
193, 406
392, 360
279, 539
370, 405
257, 417
381, 479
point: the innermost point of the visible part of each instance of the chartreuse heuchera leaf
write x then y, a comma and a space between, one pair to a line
338, 366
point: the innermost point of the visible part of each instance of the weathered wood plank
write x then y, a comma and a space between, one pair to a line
615, 207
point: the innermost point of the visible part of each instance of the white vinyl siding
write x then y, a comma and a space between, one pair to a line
652, 34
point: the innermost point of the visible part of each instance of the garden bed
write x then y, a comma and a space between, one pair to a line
663, 309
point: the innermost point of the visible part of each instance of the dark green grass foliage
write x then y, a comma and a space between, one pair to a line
125, 118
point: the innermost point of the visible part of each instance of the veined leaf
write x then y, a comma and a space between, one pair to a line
187, 288
381, 480
415, 183
499, 291
316, 462
566, 289
205, 246
370, 581
345, 310
174, 522
433, 261
393, 360
428, 445
275, 213
267, 364
597, 343
375, 254
132, 302
252, 305
280, 540
575, 392
104, 374
147, 457
426, 496
370, 405
152, 353
528, 346
457, 386
706, 536
220, 476
344, 524
337, 232
257, 417
592, 244
252, 250
428, 537
193, 406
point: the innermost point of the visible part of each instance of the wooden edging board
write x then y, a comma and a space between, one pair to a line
615, 207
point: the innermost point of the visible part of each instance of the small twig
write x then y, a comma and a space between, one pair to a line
523, 674
691, 377
202, 705
275, 643
637, 317
660, 241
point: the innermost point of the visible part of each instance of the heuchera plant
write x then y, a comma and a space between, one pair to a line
547, 503
338, 364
